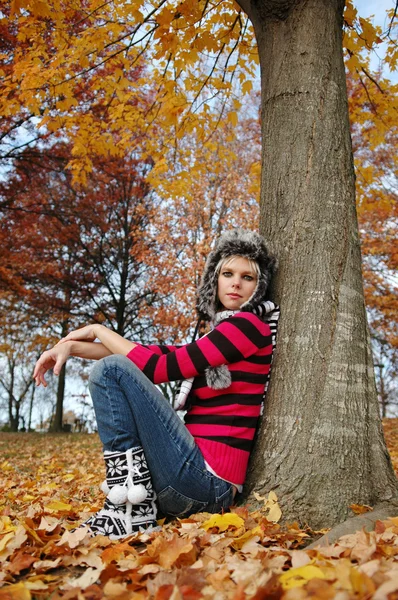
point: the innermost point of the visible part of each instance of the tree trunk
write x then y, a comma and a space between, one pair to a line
56, 425
32, 395
59, 409
320, 447
13, 412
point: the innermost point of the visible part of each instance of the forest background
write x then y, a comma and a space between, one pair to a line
112, 224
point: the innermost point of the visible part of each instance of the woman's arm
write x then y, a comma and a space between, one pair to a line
80, 343
115, 343
233, 340
57, 356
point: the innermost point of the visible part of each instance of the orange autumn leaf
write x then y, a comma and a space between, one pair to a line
360, 509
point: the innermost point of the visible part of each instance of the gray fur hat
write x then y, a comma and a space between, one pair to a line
237, 242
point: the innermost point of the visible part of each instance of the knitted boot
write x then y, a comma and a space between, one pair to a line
130, 504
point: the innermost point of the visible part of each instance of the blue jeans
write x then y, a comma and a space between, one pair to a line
130, 412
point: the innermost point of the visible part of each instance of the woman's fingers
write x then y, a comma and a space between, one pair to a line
50, 359
84, 334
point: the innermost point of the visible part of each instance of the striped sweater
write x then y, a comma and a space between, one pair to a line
223, 422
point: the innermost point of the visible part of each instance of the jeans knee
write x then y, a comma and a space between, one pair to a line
97, 371
105, 365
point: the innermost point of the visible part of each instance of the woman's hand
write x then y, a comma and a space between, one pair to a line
53, 359
84, 334
112, 341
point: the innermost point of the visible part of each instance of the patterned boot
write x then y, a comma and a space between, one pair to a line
130, 504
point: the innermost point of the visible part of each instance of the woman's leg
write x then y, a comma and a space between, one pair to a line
131, 412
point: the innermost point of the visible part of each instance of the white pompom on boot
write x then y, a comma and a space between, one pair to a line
130, 504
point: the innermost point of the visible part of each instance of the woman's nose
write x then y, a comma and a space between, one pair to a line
236, 283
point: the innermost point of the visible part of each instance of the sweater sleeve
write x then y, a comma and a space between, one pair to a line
232, 340
160, 348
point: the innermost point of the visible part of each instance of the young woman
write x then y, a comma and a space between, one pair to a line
152, 458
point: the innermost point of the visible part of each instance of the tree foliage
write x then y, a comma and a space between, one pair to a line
78, 68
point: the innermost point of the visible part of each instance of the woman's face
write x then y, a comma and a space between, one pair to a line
236, 283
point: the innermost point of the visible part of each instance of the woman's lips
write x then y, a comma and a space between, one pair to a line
234, 296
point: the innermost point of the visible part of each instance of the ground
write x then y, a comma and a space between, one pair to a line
48, 483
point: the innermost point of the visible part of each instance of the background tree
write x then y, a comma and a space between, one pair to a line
81, 255
372, 104
19, 348
221, 190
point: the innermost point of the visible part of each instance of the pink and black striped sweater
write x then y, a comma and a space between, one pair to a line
223, 422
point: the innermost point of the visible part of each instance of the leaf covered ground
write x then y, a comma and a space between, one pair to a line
48, 484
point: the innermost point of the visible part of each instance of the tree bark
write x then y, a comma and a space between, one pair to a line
321, 446
57, 424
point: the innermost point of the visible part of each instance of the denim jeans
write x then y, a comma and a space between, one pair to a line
131, 412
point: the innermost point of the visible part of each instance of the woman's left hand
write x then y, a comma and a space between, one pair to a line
84, 334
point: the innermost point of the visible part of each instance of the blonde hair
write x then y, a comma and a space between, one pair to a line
224, 262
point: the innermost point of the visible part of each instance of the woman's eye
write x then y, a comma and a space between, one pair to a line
227, 273
248, 278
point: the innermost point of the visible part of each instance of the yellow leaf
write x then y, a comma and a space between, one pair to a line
300, 576
362, 583
222, 522
270, 504
5, 466
68, 477
369, 33
4, 540
247, 87
47, 487
275, 513
57, 506
241, 540
5, 525
17, 591
233, 118
350, 14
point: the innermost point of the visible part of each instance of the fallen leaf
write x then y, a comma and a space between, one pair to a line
300, 558
270, 504
113, 589
89, 577
274, 514
17, 591
239, 542
362, 584
57, 506
5, 539
223, 522
360, 509
172, 551
73, 538
44, 565
385, 589
6, 525
48, 524
300, 576
20, 562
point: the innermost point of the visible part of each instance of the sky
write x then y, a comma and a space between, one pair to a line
377, 10
374, 7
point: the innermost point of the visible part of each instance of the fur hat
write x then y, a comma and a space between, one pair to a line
238, 242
